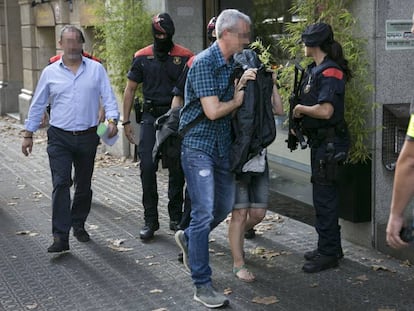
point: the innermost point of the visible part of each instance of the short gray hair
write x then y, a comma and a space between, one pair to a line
72, 28
229, 20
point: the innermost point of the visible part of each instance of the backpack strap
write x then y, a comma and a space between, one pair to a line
190, 125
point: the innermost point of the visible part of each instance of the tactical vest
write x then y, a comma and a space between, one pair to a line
310, 89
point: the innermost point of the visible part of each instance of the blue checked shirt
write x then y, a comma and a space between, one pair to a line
209, 75
74, 99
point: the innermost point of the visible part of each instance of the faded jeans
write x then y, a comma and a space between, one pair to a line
211, 187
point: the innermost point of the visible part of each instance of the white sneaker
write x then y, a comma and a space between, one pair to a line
181, 241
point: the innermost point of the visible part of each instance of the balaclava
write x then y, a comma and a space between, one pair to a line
163, 24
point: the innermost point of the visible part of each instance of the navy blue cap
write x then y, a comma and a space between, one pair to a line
317, 34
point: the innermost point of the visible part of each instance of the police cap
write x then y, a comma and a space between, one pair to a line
317, 34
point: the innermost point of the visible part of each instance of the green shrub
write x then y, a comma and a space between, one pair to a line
123, 27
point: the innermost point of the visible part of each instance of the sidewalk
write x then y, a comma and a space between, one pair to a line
116, 271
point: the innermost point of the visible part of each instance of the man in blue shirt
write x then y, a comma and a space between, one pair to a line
206, 145
75, 86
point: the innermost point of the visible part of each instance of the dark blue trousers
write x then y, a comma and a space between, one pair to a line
325, 202
66, 150
149, 177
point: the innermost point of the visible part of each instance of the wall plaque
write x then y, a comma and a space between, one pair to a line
398, 35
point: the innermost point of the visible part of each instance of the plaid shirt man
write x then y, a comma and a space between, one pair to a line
208, 76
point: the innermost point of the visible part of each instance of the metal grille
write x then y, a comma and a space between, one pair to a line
395, 120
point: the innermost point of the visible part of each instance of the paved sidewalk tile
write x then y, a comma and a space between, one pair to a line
117, 271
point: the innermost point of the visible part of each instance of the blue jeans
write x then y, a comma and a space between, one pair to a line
212, 190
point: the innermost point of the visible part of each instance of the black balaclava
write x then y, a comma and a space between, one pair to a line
162, 24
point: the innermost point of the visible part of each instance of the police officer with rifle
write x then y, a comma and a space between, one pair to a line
320, 109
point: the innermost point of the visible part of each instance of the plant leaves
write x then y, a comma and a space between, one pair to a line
115, 244
156, 291
362, 278
227, 291
265, 300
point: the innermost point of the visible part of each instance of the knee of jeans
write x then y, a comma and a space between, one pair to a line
201, 223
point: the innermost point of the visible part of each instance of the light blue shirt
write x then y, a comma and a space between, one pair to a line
74, 98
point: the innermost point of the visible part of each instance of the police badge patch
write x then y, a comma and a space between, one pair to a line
177, 60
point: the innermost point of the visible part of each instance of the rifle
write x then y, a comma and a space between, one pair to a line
294, 123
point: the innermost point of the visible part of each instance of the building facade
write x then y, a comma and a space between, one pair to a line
29, 31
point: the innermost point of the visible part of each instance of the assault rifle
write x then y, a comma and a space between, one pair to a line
295, 135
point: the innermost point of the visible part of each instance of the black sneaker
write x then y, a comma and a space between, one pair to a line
319, 263
312, 254
59, 245
81, 235
209, 297
250, 234
147, 232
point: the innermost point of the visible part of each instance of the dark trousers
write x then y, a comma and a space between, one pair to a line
65, 150
149, 177
325, 198
325, 201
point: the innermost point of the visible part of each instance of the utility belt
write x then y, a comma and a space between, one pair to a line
318, 136
156, 109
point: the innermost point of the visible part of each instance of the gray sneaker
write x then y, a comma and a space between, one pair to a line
209, 297
181, 241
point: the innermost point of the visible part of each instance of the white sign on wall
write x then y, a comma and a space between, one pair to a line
398, 35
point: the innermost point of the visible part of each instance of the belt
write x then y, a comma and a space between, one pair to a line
77, 133
156, 111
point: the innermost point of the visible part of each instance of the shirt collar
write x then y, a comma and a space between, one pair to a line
60, 61
218, 56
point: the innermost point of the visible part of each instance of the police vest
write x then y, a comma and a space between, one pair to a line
311, 88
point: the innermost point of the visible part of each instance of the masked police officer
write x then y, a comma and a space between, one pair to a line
321, 113
158, 68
